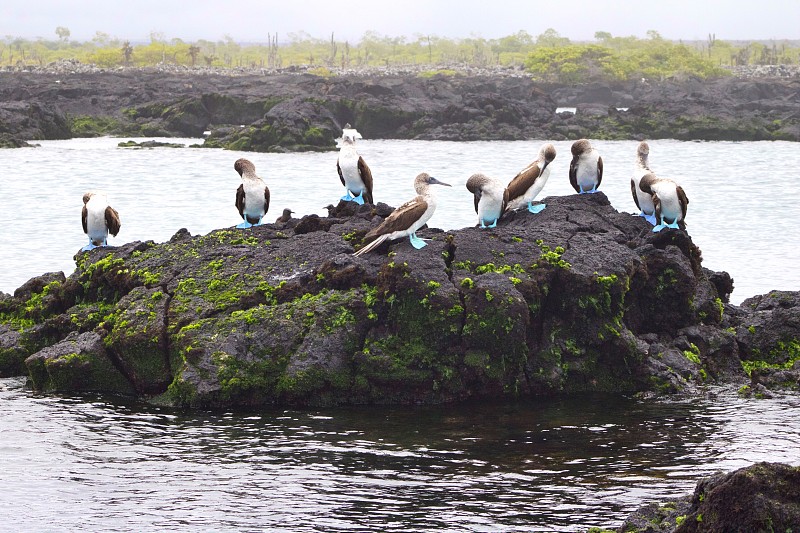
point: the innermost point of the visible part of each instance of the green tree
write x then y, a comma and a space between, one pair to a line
63, 33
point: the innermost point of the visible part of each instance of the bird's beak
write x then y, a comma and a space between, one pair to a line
434, 181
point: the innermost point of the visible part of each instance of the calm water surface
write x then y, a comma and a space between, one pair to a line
548, 465
739, 214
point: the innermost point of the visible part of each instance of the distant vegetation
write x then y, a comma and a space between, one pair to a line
548, 56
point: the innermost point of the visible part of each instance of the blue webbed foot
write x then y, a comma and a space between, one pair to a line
483, 226
359, 199
651, 219
536, 208
260, 221
658, 228
416, 242
493, 224
673, 225
347, 197
244, 225
88, 247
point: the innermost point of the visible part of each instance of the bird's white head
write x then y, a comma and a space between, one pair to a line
350, 135
422, 181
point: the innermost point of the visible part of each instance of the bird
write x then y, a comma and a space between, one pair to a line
669, 201
98, 219
408, 218
286, 216
586, 167
643, 200
530, 181
252, 196
354, 173
490, 199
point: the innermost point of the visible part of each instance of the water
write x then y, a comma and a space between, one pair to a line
740, 213
544, 465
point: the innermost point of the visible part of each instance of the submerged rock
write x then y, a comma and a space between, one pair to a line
576, 298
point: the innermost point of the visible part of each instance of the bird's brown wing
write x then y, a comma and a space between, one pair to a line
523, 181
266, 200
240, 200
84, 216
339, 170
573, 174
112, 221
599, 171
401, 218
683, 199
633, 192
366, 177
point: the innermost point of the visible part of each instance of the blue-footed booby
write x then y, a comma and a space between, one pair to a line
354, 173
252, 196
490, 199
586, 167
530, 181
98, 219
669, 201
408, 218
643, 200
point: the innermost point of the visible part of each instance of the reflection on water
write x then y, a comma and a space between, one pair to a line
555, 464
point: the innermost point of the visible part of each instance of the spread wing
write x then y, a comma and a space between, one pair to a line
366, 177
84, 215
266, 200
524, 180
573, 174
339, 170
240, 200
112, 221
633, 192
599, 171
683, 199
401, 218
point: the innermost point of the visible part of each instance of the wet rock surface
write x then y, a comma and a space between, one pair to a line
760, 498
576, 298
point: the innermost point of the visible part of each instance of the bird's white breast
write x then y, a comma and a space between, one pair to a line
645, 199
586, 174
667, 193
96, 218
348, 163
254, 196
490, 206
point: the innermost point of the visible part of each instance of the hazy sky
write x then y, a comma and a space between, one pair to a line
252, 20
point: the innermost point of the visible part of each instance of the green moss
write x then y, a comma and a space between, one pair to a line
467, 283
551, 257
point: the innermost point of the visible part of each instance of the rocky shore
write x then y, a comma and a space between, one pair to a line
299, 109
577, 298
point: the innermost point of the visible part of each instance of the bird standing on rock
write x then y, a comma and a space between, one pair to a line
531, 180
490, 199
252, 196
98, 219
586, 167
408, 218
643, 200
354, 173
669, 201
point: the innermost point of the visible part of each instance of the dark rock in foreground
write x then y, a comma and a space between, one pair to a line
761, 498
576, 298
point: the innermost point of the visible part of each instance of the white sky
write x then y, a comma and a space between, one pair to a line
252, 20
